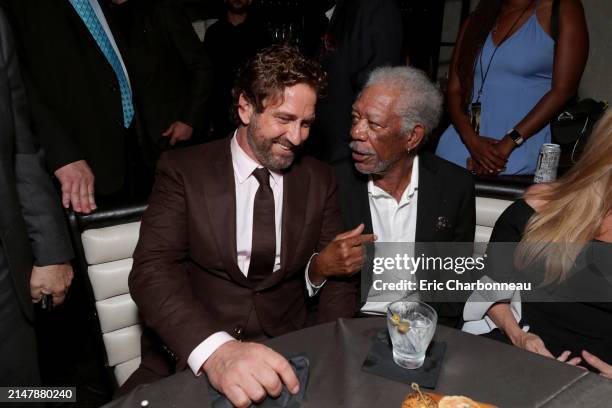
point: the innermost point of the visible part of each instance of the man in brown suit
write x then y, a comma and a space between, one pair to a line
237, 235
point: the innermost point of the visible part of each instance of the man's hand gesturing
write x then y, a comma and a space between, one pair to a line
343, 256
248, 372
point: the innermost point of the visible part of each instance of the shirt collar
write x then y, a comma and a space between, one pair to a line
377, 192
329, 13
244, 165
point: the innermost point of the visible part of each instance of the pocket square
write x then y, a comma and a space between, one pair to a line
443, 223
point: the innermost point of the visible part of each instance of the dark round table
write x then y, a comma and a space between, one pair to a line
484, 369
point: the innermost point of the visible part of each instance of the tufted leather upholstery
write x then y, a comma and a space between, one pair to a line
493, 196
105, 241
108, 253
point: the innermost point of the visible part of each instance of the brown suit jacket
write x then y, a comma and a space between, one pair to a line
185, 279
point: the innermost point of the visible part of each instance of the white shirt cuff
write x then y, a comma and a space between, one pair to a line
205, 349
311, 288
478, 304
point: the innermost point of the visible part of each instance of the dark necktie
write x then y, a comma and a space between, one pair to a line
263, 249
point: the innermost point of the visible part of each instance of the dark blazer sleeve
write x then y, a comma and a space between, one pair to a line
41, 211
332, 221
60, 149
159, 281
339, 296
182, 36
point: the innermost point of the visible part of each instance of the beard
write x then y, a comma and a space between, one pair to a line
379, 167
262, 148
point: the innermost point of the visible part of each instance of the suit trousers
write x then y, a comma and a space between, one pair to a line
18, 354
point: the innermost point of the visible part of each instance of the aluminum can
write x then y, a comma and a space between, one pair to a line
548, 162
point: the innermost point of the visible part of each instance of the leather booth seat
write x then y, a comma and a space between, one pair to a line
493, 196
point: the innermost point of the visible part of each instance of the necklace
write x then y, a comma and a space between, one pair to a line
476, 106
507, 13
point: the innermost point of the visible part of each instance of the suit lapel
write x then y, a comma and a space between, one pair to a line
334, 17
355, 200
295, 198
219, 188
429, 200
362, 204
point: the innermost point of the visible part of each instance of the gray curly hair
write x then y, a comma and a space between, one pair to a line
420, 101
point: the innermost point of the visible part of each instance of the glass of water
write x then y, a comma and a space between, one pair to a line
411, 325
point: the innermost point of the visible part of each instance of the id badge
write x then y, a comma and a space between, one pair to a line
475, 117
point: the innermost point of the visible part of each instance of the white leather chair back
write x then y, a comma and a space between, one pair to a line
108, 252
488, 211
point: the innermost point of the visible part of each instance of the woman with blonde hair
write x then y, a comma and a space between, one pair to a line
564, 235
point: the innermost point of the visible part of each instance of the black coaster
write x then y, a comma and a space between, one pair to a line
380, 362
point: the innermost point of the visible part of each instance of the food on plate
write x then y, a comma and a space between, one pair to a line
415, 400
418, 399
456, 401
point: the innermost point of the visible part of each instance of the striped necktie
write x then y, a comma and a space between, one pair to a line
93, 24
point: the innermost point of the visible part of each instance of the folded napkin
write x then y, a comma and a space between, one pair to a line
380, 362
300, 365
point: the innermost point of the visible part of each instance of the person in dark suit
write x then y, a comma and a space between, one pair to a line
34, 242
230, 42
238, 234
81, 96
399, 193
171, 73
362, 35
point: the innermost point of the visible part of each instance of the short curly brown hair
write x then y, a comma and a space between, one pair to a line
269, 72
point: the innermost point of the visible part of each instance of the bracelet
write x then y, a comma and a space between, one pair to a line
516, 137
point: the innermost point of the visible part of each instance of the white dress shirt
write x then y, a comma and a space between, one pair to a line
392, 221
246, 187
100, 14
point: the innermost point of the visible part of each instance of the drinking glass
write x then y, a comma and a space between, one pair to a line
411, 325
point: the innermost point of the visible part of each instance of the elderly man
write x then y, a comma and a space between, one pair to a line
227, 245
399, 193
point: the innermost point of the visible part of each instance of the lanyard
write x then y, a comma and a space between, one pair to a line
483, 77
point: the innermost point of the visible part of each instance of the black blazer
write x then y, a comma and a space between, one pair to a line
170, 71
446, 213
32, 226
73, 90
362, 35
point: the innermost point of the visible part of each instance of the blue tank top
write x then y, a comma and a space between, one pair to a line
520, 75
